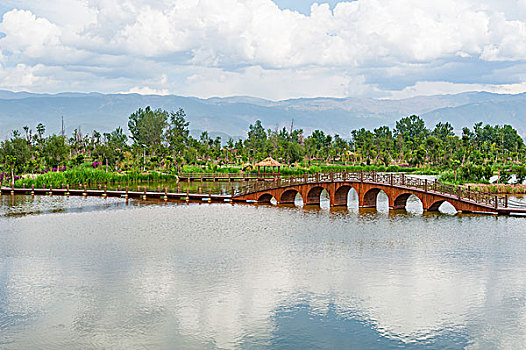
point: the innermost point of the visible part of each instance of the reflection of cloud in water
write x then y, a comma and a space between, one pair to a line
165, 276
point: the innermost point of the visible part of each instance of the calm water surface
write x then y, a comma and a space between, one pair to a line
89, 273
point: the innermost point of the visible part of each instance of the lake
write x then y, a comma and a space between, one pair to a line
92, 273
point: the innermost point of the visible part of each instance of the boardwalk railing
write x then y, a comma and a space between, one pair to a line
397, 180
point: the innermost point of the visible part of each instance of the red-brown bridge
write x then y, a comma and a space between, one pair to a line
397, 187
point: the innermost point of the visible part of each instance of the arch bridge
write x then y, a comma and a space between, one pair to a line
397, 187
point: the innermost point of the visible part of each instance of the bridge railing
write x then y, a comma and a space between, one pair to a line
399, 180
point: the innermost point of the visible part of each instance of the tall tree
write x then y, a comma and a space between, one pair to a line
178, 132
147, 126
413, 130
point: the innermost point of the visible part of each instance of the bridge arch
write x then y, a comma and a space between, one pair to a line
313, 196
265, 198
370, 198
289, 196
445, 205
401, 201
342, 194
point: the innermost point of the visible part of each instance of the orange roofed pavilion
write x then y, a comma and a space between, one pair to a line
269, 163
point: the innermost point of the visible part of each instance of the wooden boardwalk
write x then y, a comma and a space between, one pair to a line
144, 194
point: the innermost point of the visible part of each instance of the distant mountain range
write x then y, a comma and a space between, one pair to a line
231, 116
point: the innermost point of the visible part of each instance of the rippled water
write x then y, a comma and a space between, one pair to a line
89, 273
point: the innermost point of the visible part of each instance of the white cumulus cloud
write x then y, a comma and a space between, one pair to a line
213, 47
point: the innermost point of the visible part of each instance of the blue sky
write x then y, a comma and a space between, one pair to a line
302, 6
272, 49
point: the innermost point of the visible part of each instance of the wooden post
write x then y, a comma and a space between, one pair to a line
459, 192
209, 196
50, 190
105, 191
425, 185
391, 179
200, 191
33, 190
496, 202
506, 201
361, 176
85, 191
403, 179
232, 192
332, 175
67, 190
187, 194
166, 193
126, 195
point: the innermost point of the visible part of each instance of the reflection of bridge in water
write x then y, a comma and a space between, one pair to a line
397, 187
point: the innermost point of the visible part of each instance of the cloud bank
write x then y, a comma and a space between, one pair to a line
209, 48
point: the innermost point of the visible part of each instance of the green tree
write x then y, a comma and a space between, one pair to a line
412, 129
16, 153
257, 138
178, 132
147, 127
55, 150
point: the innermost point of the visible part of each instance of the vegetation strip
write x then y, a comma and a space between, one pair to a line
160, 147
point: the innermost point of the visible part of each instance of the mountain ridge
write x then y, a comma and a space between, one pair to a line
232, 115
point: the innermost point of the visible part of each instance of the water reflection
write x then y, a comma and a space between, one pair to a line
222, 276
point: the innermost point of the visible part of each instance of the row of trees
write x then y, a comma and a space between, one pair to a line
159, 139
